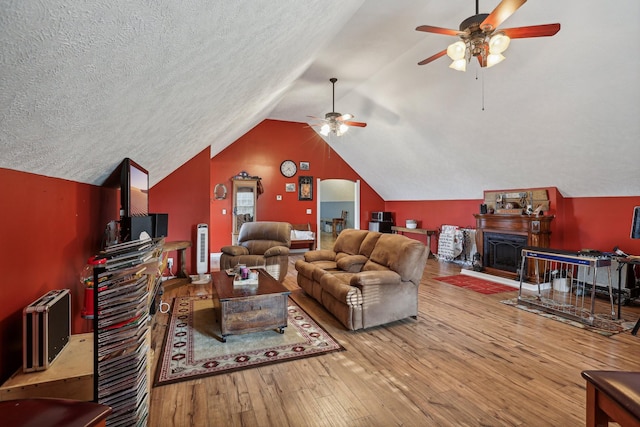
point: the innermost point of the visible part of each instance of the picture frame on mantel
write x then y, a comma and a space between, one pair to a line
305, 188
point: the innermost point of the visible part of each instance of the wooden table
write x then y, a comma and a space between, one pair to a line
53, 412
424, 231
249, 308
612, 396
181, 247
70, 376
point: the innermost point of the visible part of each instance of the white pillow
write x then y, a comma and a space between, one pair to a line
302, 235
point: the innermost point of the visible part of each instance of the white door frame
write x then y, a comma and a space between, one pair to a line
356, 207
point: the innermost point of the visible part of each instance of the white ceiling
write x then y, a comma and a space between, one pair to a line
85, 84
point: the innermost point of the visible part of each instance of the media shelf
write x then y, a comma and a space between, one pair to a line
127, 280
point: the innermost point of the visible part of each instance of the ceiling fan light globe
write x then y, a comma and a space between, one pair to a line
325, 129
459, 65
494, 58
498, 43
457, 50
343, 129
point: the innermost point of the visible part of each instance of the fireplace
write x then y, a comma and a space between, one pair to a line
503, 251
501, 237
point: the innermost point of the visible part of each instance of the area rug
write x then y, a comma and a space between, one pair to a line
475, 284
192, 350
603, 326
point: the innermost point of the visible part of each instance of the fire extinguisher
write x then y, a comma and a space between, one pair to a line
87, 279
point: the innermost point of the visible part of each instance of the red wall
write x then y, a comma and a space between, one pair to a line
49, 228
260, 152
184, 195
600, 223
581, 223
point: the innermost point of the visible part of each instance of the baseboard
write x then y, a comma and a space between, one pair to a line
505, 281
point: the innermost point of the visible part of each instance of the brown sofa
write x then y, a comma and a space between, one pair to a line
260, 244
368, 279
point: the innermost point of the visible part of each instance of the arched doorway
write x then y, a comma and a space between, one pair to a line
335, 196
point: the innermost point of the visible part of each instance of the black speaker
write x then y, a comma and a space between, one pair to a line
635, 224
483, 208
132, 226
159, 224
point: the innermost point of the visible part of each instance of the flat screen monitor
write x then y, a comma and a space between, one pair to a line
132, 180
137, 184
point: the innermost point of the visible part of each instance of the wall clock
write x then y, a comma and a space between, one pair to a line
288, 168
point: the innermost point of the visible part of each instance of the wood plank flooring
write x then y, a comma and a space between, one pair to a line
468, 360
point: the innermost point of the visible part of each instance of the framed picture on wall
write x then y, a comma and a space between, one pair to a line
304, 166
305, 188
290, 187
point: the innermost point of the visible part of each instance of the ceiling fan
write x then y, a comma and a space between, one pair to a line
336, 122
480, 37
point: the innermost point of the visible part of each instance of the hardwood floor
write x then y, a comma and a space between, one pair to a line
468, 360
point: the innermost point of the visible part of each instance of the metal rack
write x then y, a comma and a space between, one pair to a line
126, 282
564, 279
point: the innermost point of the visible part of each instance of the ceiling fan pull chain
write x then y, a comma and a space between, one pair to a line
482, 83
482, 90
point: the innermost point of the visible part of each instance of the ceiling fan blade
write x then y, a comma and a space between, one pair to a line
344, 117
502, 11
357, 124
433, 57
544, 30
439, 30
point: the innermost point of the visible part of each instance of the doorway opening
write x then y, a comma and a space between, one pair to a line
337, 198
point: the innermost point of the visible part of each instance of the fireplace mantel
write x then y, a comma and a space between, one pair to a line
536, 228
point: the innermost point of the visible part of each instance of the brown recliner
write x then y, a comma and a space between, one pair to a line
260, 244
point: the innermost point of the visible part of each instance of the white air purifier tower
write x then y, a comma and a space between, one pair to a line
202, 248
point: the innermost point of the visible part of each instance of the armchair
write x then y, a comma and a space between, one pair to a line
260, 244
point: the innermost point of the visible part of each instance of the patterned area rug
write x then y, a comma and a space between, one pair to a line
475, 284
605, 327
191, 348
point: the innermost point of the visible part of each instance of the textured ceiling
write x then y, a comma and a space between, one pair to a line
83, 85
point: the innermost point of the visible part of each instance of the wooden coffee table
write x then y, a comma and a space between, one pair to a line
249, 308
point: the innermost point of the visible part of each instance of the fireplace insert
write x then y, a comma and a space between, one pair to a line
503, 251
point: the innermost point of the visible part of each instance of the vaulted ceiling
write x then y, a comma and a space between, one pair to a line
85, 84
